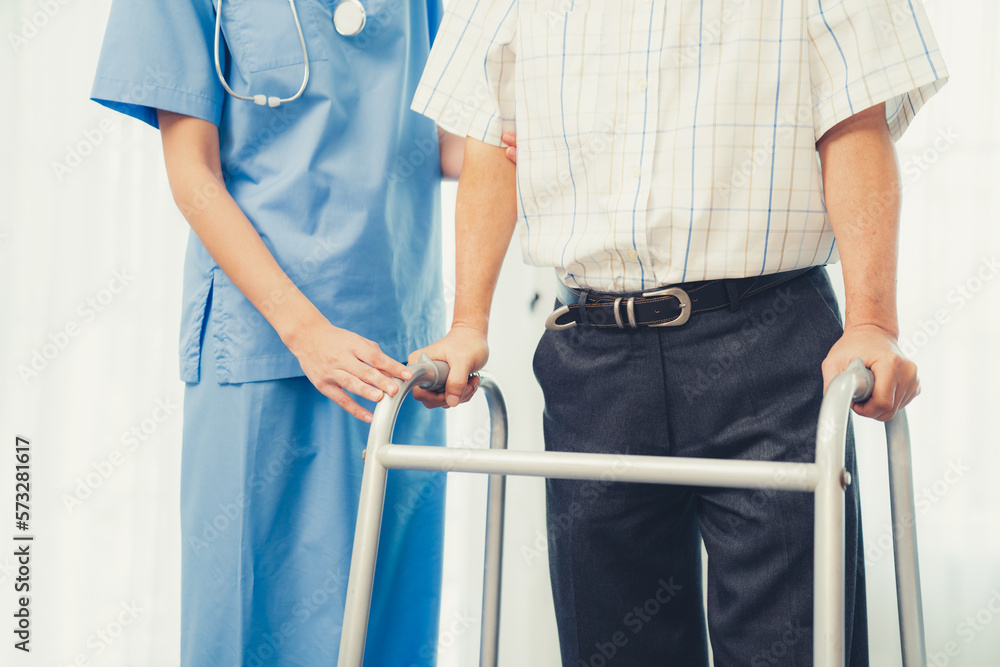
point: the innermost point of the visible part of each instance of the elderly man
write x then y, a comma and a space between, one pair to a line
667, 169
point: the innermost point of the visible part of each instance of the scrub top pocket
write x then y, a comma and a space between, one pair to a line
559, 69
261, 34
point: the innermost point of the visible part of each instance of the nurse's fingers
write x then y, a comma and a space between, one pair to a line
340, 397
510, 138
377, 380
377, 359
364, 381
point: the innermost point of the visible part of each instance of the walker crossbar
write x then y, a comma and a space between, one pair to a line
606, 467
827, 478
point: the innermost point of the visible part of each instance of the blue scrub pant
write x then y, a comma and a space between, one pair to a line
625, 558
271, 474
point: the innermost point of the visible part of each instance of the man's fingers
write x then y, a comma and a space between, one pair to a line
896, 384
439, 400
912, 391
831, 368
916, 392
430, 399
912, 384
470, 388
904, 400
882, 404
458, 380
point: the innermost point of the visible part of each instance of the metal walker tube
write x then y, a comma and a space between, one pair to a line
855, 384
827, 478
489, 646
904, 543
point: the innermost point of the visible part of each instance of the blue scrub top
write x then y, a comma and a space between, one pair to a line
341, 184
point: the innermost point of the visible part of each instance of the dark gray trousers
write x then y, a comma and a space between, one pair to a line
625, 558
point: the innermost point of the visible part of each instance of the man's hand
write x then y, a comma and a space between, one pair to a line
896, 382
466, 351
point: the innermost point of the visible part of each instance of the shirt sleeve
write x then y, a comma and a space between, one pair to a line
863, 53
468, 83
158, 54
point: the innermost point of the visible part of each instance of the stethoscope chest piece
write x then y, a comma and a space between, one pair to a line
349, 18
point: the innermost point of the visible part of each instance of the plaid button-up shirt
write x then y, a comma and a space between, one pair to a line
663, 141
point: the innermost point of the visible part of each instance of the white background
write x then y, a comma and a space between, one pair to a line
64, 235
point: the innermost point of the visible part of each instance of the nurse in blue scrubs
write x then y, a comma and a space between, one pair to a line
312, 268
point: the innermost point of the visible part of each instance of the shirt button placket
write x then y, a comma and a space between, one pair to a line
645, 87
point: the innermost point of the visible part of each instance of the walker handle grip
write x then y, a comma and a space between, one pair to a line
437, 373
864, 392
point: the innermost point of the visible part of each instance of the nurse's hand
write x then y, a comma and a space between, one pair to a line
510, 138
466, 351
338, 361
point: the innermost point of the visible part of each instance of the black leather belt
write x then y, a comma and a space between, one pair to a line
669, 306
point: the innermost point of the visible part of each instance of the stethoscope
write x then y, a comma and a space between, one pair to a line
348, 18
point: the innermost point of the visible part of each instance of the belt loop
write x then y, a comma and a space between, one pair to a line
582, 303
734, 294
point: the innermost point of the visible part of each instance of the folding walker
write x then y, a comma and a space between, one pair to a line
826, 478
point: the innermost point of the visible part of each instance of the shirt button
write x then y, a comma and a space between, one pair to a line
640, 84
635, 171
632, 254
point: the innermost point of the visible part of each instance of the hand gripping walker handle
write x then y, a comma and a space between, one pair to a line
437, 373
858, 366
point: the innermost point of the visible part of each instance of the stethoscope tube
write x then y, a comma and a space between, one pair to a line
349, 19
260, 99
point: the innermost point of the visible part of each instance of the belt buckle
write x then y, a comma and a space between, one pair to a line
680, 295
551, 324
